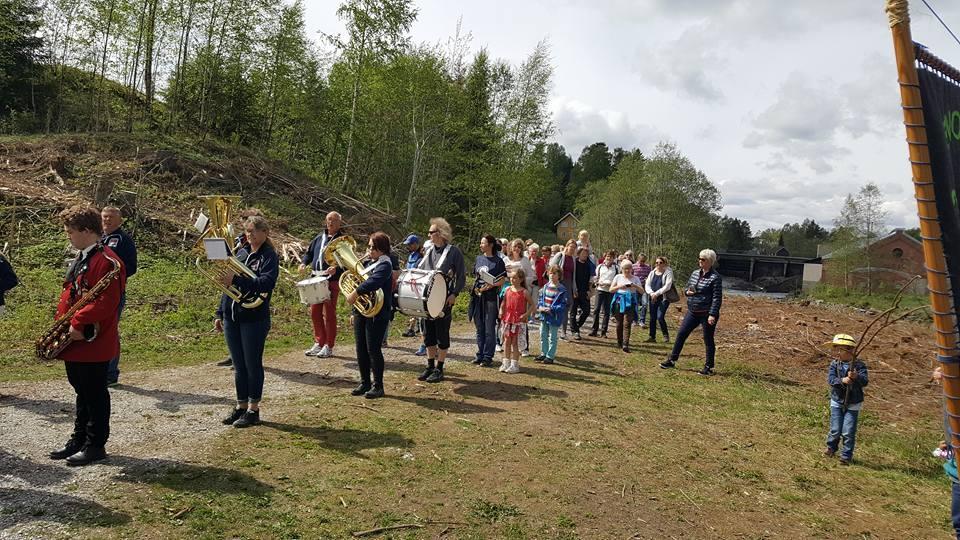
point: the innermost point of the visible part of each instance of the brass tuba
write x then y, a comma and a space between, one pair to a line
340, 252
221, 226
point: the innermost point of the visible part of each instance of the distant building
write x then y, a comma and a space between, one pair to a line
567, 227
894, 260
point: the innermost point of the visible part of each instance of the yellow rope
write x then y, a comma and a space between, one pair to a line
897, 12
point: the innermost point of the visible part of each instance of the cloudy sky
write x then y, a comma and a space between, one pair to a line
786, 106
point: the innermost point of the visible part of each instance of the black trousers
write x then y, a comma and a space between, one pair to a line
581, 309
89, 381
603, 303
369, 335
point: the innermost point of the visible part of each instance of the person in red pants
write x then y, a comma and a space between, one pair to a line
94, 337
324, 315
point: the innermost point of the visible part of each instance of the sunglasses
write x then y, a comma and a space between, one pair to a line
434, 231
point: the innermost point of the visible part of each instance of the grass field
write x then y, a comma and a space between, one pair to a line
603, 445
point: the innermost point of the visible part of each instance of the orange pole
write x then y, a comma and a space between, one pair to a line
938, 277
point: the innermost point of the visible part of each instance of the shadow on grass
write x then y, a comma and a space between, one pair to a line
32, 472
26, 505
186, 476
559, 375
55, 412
308, 377
590, 366
916, 470
171, 401
346, 441
501, 391
459, 407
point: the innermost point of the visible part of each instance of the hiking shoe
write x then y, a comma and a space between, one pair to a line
312, 351
422, 351
829, 452
228, 361
540, 358
426, 374
235, 415
375, 392
667, 364
547, 360
487, 362
408, 333
361, 390
435, 376
249, 418
706, 371
477, 361
845, 461
325, 352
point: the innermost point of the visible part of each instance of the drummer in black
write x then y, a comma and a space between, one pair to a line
448, 260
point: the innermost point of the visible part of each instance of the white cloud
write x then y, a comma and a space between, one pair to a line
580, 125
684, 65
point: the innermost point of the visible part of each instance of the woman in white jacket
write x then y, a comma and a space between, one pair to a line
659, 282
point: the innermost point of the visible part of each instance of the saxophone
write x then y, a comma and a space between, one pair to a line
55, 340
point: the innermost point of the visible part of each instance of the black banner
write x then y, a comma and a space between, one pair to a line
941, 114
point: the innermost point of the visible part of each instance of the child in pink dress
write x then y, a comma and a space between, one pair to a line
516, 307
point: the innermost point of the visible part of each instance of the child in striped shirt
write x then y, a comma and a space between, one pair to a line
551, 308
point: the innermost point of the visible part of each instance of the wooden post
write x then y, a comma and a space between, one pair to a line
938, 278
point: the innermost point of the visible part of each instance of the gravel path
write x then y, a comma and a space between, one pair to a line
158, 417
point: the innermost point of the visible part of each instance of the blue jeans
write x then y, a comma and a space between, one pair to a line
691, 322
113, 368
548, 340
644, 302
842, 425
658, 314
486, 323
955, 508
245, 341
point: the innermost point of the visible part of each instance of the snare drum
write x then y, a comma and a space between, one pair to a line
315, 290
421, 293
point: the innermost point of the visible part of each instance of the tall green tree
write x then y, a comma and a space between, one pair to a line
735, 234
20, 52
595, 163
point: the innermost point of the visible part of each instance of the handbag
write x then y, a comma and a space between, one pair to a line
672, 295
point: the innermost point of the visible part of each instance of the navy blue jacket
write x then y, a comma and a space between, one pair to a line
313, 256
380, 277
122, 244
8, 279
838, 391
708, 293
266, 265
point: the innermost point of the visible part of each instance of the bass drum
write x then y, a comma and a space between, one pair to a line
421, 293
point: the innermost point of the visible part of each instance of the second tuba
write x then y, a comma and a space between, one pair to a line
221, 226
341, 252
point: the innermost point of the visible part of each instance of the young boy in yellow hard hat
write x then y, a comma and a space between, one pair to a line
846, 376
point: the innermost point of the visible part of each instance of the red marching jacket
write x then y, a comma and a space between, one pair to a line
102, 311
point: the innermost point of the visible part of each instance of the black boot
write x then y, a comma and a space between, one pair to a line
375, 392
360, 390
72, 447
88, 455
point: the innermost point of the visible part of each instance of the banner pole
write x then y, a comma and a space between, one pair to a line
938, 277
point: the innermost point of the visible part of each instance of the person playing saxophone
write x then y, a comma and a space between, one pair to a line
94, 337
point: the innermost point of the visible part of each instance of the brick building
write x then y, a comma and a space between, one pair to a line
894, 260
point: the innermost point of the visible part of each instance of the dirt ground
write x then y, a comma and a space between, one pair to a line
596, 399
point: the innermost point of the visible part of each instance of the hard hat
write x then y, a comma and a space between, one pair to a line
842, 340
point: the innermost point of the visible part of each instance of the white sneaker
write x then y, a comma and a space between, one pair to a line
313, 351
499, 348
514, 367
524, 353
504, 365
325, 352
